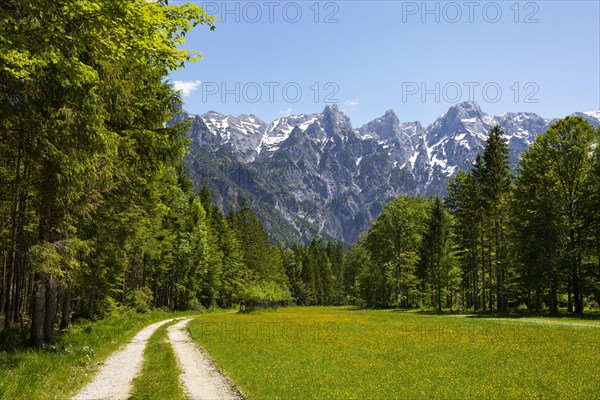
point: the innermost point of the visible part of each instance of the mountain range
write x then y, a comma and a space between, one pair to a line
309, 175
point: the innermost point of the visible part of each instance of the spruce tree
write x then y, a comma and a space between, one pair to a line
437, 254
495, 182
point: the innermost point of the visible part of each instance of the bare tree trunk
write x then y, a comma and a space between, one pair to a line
483, 292
91, 300
65, 319
15, 256
577, 293
497, 264
491, 280
20, 258
475, 285
439, 293
20, 297
8, 297
50, 314
3, 284
12, 258
554, 291
37, 312
569, 300
598, 278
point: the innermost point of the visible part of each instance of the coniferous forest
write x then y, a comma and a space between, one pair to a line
97, 213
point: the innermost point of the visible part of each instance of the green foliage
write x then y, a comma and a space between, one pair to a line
393, 243
265, 292
552, 206
479, 202
139, 299
316, 273
261, 258
108, 307
438, 270
358, 259
83, 115
45, 258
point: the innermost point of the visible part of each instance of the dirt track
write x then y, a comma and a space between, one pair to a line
199, 377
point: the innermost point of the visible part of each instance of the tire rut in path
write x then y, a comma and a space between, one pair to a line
200, 377
114, 380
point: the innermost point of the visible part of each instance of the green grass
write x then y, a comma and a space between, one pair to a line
59, 373
159, 379
305, 353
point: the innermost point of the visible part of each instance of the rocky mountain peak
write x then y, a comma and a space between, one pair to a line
466, 109
390, 115
333, 121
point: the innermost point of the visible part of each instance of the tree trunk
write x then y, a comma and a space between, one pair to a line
91, 300
570, 291
598, 279
8, 297
50, 314
439, 296
20, 272
491, 284
37, 311
576, 285
497, 262
3, 284
574, 260
65, 319
553, 292
483, 292
475, 273
21, 286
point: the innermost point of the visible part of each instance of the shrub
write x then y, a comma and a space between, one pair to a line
139, 299
108, 307
195, 305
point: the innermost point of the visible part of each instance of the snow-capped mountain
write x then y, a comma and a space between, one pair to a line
280, 129
402, 139
240, 135
316, 174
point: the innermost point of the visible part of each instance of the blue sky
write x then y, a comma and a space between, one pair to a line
273, 58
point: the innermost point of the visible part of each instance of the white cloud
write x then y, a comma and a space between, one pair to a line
351, 104
286, 113
186, 87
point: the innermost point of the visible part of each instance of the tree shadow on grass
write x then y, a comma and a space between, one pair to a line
588, 315
591, 315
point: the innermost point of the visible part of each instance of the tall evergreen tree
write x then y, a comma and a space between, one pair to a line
464, 202
437, 256
495, 182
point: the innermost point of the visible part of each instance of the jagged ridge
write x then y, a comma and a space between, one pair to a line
316, 174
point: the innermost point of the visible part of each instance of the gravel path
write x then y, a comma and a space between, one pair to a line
118, 370
200, 378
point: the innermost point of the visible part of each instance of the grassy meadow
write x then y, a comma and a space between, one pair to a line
320, 352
